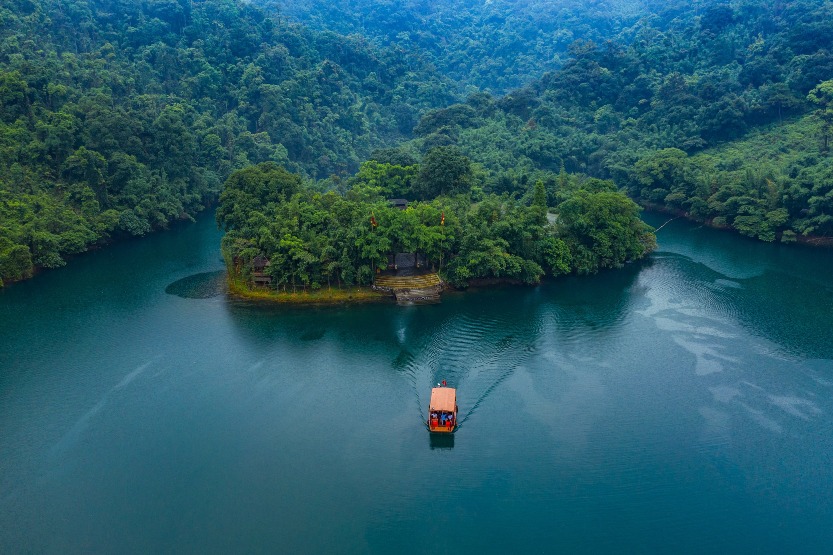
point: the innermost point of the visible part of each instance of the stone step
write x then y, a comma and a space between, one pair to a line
398, 283
422, 289
408, 282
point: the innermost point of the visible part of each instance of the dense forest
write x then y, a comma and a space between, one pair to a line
312, 239
498, 45
117, 117
656, 113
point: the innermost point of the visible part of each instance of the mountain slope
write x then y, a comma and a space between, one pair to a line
118, 117
497, 45
636, 111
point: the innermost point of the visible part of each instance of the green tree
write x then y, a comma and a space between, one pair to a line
539, 195
822, 97
249, 189
603, 230
90, 167
444, 170
662, 174
15, 262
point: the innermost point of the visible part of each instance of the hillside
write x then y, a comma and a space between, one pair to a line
636, 112
776, 180
497, 45
118, 117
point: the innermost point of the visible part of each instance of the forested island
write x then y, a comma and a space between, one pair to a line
314, 238
117, 118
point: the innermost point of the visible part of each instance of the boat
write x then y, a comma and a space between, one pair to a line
442, 411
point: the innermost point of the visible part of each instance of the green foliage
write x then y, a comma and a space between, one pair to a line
539, 196
117, 118
660, 109
770, 185
15, 261
378, 179
445, 170
603, 230
822, 98
497, 45
393, 156
312, 239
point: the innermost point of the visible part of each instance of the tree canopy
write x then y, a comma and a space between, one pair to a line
312, 239
656, 109
118, 117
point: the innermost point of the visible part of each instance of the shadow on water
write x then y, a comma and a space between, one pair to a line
199, 286
313, 334
263, 323
441, 441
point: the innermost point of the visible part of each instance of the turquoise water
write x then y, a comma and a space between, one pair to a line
682, 404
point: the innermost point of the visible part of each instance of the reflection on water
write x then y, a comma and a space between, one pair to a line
783, 292
794, 313
684, 403
474, 340
313, 335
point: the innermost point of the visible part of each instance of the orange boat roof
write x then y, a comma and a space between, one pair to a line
444, 399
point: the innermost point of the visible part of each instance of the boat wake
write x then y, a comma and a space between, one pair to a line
473, 355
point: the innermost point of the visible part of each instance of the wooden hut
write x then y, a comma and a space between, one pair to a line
399, 203
259, 270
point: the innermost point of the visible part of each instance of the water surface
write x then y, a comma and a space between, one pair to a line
681, 404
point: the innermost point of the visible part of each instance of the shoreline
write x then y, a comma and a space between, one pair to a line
815, 241
328, 296
238, 289
103, 244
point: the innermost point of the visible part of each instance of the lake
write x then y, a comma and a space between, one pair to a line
681, 404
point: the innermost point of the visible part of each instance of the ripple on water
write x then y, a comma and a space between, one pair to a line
680, 284
472, 354
199, 286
